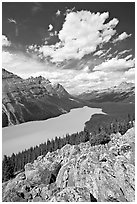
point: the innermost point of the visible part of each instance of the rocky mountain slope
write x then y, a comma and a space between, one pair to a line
101, 173
33, 99
124, 92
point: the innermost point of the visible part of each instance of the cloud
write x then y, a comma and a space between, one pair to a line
114, 65
122, 36
128, 57
21, 64
74, 80
109, 56
11, 20
86, 69
130, 75
73, 44
5, 41
108, 50
124, 51
98, 53
58, 12
102, 53
25, 67
6, 58
82, 33
50, 28
105, 53
55, 33
69, 10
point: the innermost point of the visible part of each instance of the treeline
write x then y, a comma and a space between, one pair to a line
98, 134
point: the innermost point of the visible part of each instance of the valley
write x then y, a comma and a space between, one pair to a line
33, 99
53, 111
34, 133
68, 102
41, 120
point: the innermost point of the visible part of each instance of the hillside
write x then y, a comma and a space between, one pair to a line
33, 99
79, 173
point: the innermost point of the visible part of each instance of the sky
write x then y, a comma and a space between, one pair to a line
83, 46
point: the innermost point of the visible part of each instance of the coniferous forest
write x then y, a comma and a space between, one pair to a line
97, 133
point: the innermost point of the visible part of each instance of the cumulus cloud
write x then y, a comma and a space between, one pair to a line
82, 33
6, 58
122, 36
130, 75
73, 44
58, 12
21, 64
86, 69
69, 10
5, 41
115, 64
75, 81
25, 66
50, 28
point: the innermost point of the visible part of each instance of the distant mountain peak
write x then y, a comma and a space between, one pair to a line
60, 90
125, 84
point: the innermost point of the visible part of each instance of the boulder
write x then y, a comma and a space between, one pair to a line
37, 175
79, 173
72, 194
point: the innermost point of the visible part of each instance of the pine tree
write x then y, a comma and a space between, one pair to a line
7, 169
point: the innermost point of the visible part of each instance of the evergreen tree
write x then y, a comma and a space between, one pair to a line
7, 169
98, 134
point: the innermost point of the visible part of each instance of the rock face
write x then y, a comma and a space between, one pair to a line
79, 173
32, 99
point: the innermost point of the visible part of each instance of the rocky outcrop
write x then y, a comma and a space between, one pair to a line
79, 173
32, 99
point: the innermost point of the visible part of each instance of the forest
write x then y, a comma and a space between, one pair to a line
98, 132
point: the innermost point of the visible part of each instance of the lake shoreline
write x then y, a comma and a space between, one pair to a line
14, 137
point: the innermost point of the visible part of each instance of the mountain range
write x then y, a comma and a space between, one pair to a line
101, 168
36, 98
124, 92
33, 99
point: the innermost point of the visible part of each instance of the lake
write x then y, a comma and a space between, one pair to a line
23, 136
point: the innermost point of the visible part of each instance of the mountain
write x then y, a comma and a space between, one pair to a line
33, 99
79, 173
124, 92
60, 91
125, 85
